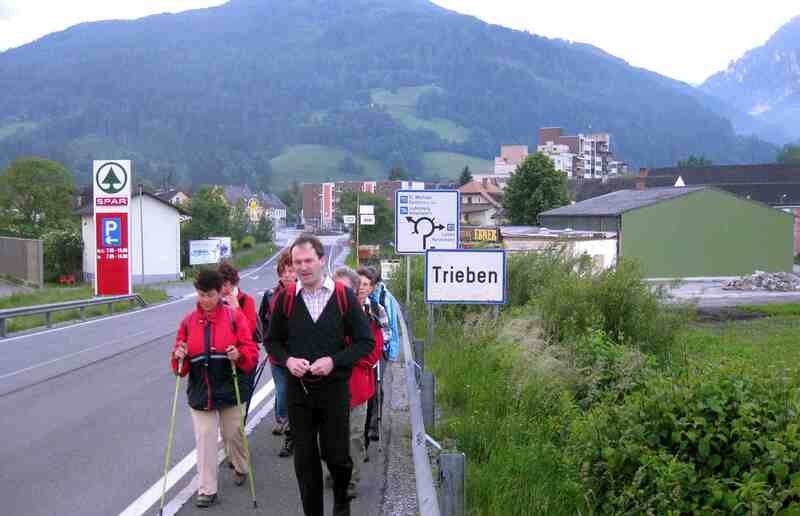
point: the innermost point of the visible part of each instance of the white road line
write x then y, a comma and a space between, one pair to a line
64, 357
126, 314
153, 494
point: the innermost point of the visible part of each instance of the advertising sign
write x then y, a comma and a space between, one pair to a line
204, 252
476, 276
111, 185
349, 219
367, 220
225, 246
426, 219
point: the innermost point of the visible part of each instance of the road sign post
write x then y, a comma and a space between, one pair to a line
111, 181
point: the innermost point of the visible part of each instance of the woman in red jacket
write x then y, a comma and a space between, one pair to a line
209, 339
362, 380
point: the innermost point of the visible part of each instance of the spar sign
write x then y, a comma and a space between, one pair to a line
111, 182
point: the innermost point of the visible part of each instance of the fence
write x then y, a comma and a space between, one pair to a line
449, 499
23, 259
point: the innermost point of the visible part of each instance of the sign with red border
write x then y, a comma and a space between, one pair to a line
112, 196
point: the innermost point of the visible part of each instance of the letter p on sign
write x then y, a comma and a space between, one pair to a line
112, 232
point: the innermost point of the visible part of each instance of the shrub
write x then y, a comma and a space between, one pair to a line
718, 442
248, 242
63, 252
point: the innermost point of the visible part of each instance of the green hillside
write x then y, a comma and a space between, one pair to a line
450, 164
316, 163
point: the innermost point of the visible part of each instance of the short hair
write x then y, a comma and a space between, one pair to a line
305, 238
347, 272
284, 261
228, 273
208, 280
369, 273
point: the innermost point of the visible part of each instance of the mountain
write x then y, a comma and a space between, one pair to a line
764, 86
274, 90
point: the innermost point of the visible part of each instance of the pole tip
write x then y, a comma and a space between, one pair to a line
255, 504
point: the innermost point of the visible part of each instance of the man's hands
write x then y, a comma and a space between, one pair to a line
300, 366
233, 353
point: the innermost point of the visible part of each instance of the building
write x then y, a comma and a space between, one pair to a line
174, 197
151, 217
274, 208
685, 232
591, 153
481, 203
321, 199
510, 156
601, 246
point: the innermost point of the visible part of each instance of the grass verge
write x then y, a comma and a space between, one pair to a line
258, 253
50, 295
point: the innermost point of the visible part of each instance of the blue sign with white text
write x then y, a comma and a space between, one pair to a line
112, 232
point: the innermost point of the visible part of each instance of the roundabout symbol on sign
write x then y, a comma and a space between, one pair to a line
429, 231
111, 178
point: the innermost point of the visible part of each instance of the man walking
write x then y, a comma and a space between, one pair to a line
307, 334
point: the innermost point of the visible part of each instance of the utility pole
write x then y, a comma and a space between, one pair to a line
358, 225
141, 228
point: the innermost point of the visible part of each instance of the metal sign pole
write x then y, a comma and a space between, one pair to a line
430, 325
358, 226
408, 282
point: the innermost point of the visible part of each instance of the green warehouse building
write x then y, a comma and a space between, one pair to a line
686, 232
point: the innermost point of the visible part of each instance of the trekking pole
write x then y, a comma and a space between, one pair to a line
244, 435
380, 407
255, 384
171, 435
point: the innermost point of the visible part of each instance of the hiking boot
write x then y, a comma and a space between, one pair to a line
204, 500
278, 428
239, 478
288, 447
352, 491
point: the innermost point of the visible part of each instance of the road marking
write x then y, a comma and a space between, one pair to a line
64, 357
153, 494
126, 314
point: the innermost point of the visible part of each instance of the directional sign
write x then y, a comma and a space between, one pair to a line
366, 209
349, 219
476, 276
426, 219
204, 252
111, 181
367, 220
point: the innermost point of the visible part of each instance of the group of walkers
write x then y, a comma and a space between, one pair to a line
327, 341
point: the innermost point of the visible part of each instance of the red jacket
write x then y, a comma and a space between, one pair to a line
362, 381
248, 307
210, 375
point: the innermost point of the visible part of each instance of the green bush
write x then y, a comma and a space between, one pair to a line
248, 242
715, 442
63, 253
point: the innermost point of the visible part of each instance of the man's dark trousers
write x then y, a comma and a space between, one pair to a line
320, 416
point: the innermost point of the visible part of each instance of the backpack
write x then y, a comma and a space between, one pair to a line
258, 334
290, 299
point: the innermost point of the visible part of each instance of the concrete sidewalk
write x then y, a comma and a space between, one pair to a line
276, 484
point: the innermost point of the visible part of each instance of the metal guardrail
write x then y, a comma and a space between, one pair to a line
80, 304
427, 497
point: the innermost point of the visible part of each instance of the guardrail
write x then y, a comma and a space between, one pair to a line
80, 305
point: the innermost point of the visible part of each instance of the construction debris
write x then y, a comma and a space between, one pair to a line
760, 280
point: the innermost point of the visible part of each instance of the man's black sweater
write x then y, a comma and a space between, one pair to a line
301, 337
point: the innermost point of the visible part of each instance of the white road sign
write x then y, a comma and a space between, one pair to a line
475, 276
204, 252
426, 219
366, 209
225, 246
349, 219
111, 186
367, 220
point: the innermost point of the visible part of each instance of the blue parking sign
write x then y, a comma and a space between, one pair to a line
112, 232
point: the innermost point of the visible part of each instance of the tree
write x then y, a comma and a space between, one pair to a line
397, 174
695, 161
293, 199
790, 154
240, 221
263, 231
383, 230
466, 177
534, 187
36, 195
350, 168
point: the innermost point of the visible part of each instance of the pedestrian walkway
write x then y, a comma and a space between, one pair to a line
276, 485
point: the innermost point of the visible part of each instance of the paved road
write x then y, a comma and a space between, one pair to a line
85, 410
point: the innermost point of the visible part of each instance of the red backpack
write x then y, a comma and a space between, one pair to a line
290, 299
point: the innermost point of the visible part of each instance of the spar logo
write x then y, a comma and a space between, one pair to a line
111, 178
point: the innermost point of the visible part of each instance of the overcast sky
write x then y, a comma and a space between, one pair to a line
684, 39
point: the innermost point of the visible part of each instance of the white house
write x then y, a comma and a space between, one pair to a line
162, 239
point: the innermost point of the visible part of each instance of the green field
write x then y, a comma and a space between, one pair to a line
402, 105
450, 164
10, 129
315, 163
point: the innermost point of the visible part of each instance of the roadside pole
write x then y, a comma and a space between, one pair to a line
430, 326
408, 282
358, 226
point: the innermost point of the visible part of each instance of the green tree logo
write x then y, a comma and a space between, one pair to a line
108, 180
